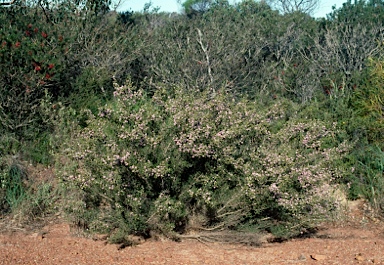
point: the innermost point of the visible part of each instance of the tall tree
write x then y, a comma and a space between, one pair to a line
201, 6
196, 5
359, 12
290, 6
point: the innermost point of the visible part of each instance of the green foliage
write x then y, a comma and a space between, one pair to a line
48, 56
12, 185
9, 145
40, 201
4, 170
212, 51
67, 55
91, 90
236, 46
368, 106
369, 178
359, 12
15, 190
369, 102
353, 33
21, 196
39, 150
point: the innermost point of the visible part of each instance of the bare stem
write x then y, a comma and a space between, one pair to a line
205, 50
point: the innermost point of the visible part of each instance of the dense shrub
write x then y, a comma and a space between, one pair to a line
211, 49
368, 125
369, 102
251, 49
31, 55
153, 163
67, 55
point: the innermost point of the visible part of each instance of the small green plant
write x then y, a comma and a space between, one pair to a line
9, 145
21, 196
40, 201
39, 150
13, 185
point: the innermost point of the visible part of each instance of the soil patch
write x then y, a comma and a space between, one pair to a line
358, 240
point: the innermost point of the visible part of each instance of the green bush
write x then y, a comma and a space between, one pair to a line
369, 126
159, 163
53, 55
369, 102
47, 51
32, 54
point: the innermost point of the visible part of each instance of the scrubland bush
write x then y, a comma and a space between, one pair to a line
368, 106
31, 54
152, 163
368, 101
53, 54
251, 49
51, 57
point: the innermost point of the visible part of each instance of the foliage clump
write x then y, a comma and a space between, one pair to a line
156, 161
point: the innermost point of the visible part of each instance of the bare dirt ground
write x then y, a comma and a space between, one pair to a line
357, 240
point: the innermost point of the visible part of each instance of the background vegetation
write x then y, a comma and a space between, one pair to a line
225, 117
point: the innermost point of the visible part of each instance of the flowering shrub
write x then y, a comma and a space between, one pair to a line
67, 56
299, 164
32, 54
157, 162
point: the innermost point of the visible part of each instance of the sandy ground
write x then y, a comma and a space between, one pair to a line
357, 240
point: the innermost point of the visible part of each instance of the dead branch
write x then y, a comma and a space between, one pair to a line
205, 50
229, 213
208, 229
226, 237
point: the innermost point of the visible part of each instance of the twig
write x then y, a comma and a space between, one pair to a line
209, 229
106, 197
224, 237
228, 213
45, 13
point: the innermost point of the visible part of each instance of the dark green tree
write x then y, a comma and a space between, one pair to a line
359, 12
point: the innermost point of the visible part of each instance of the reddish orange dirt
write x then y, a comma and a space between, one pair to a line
358, 240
